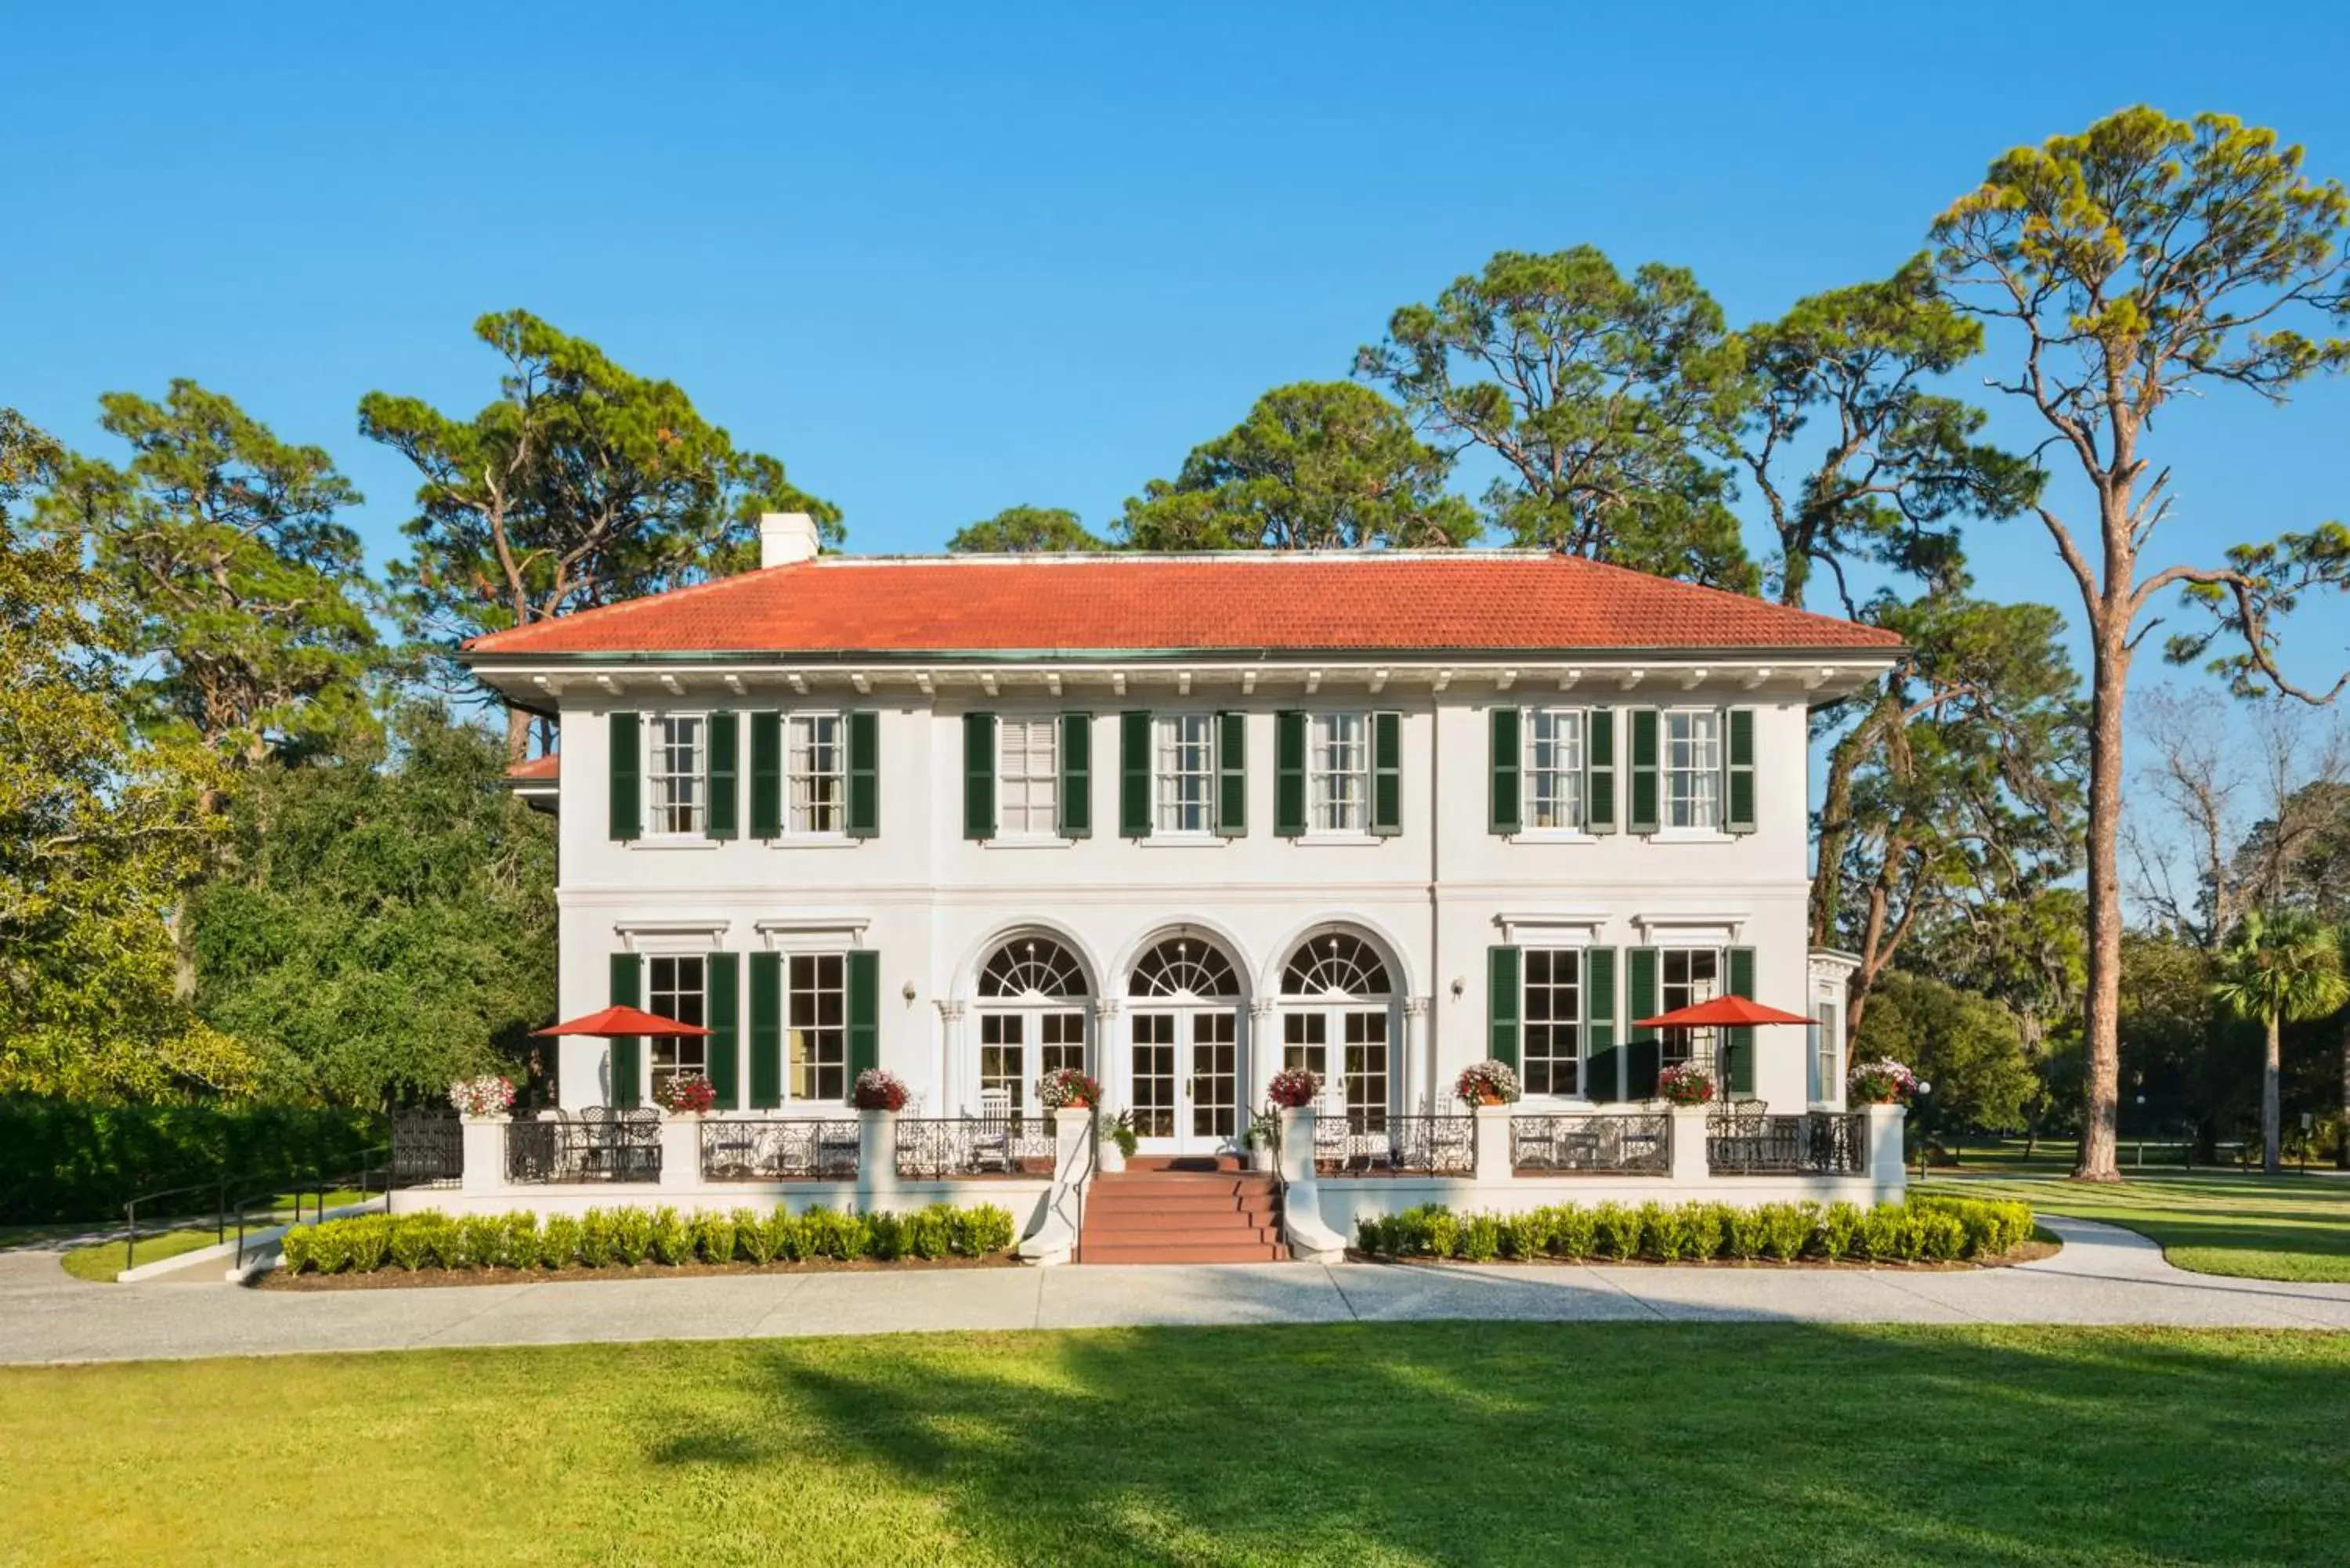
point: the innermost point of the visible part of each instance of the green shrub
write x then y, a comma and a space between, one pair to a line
752, 1242
927, 1232
331, 1247
1664, 1232
1880, 1233
1839, 1232
522, 1243
370, 1240
412, 1240
1527, 1235
74, 1160
1440, 1231
1942, 1237
887, 1232
558, 1241
632, 1235
1744, 1233
713, 1237
1787, 1229
1992, 1228
1479, 1239
481, 1240
672, 1237
984, 1230
1615, 1231
785, 1237
295, 1248
599, 1238
830, 1233
1573, 1230
1709, 1229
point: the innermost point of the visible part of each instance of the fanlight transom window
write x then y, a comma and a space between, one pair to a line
1184, 966
1336, 963
1032, 966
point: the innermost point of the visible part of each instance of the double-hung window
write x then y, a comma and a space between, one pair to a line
1692, 765
816, 1022
673, 770
1830, 1066
1339, 772
1185, 773
817, 767
1028, 778
675, 990
1553, 769
1685, 977
1551, 1056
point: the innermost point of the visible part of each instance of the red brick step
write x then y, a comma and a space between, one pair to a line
1182, 1217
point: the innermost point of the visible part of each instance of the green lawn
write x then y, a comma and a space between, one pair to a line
2288, 1227
1428, 1443
104, 1259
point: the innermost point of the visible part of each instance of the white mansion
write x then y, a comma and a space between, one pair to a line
1182, 820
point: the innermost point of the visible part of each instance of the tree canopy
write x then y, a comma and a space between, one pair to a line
1024, 530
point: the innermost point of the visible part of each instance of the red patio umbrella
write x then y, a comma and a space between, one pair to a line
619, 1023
1722, 1012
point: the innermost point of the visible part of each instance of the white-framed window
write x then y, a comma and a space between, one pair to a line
1338, 772
1692, 768
816, 1026
675, 989
1553, 769
1185, 772
1685, 977
815, 764
674, 773
1028, 778
1831, 1052
1550, 1054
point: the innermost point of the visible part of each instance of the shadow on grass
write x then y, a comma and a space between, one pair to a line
1503, 1443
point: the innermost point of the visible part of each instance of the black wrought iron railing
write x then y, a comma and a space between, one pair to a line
1818, 1143
779, 1149
597, 1146
929, 1147
1592, 1144
427, 1150
1376, 1143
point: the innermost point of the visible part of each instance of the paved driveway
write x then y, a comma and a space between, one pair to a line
2103, 1275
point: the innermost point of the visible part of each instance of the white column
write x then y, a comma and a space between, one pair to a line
1493, 1145
1112, 1067
681, 1147
1417, 1065
1264, 1050
1689, 1164
1886, 1172
484, 1149
877, 1161
945, 1098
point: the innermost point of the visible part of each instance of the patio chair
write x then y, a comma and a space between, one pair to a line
991, 1138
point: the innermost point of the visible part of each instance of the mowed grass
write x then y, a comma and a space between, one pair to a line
101, 1261
2288, 1227
1422, 1443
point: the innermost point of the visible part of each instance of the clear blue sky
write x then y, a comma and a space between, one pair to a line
945, 260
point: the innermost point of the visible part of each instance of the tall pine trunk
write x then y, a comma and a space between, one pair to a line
2102, 1025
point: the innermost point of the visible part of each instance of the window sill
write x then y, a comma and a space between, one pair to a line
1183, 841
1552, 836
811, 841
1344, 840
1026, 841
1693, 836
676, 841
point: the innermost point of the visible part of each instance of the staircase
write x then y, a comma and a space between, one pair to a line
1182, 1217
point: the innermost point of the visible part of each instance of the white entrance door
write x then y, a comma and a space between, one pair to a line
1184, 1079
1349, 1047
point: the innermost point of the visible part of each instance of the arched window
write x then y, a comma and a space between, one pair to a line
1337, 964
1033, 966
1184, 966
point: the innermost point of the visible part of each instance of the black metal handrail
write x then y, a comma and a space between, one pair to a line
621, 1146
931, 1148
779, 1149
1592, 1144
428, 1150
373, 1174
352, 1169
1366, 1143
1815, 1143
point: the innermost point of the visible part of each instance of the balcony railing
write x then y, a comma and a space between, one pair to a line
596, 1145
1592, 1145
427, 1150
779, 1149
1373, 1142
929, 1147
1818, 1143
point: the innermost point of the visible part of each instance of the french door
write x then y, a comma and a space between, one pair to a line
1018, 1046
1349, 1047
1184, 1079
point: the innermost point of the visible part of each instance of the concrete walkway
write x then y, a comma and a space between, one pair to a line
2104, 1276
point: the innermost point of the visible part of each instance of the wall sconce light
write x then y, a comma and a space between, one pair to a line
1459, 986
908, 992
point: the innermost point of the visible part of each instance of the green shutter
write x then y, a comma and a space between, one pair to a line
1738, 1044
1501, 1008
979, 775
721, 1004
1742, 771
1289, 775
864, 773
1644, 771
1387, 775
1646, 1058
766, 775
1603, 1065
766, 1031
1504, 815
864, 1011
1077, 804
628, 750
627, 1057
1232, 774
1599, 771
721, 774
1134, 776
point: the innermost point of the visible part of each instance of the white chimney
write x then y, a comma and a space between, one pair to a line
786, 538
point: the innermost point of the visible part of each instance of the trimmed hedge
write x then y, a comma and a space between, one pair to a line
603, 1237
1935, 1228
72, 1160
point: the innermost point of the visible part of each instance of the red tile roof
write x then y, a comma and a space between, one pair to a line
1404, 603
546, 767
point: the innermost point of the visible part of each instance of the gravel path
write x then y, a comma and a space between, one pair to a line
2103, 1275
